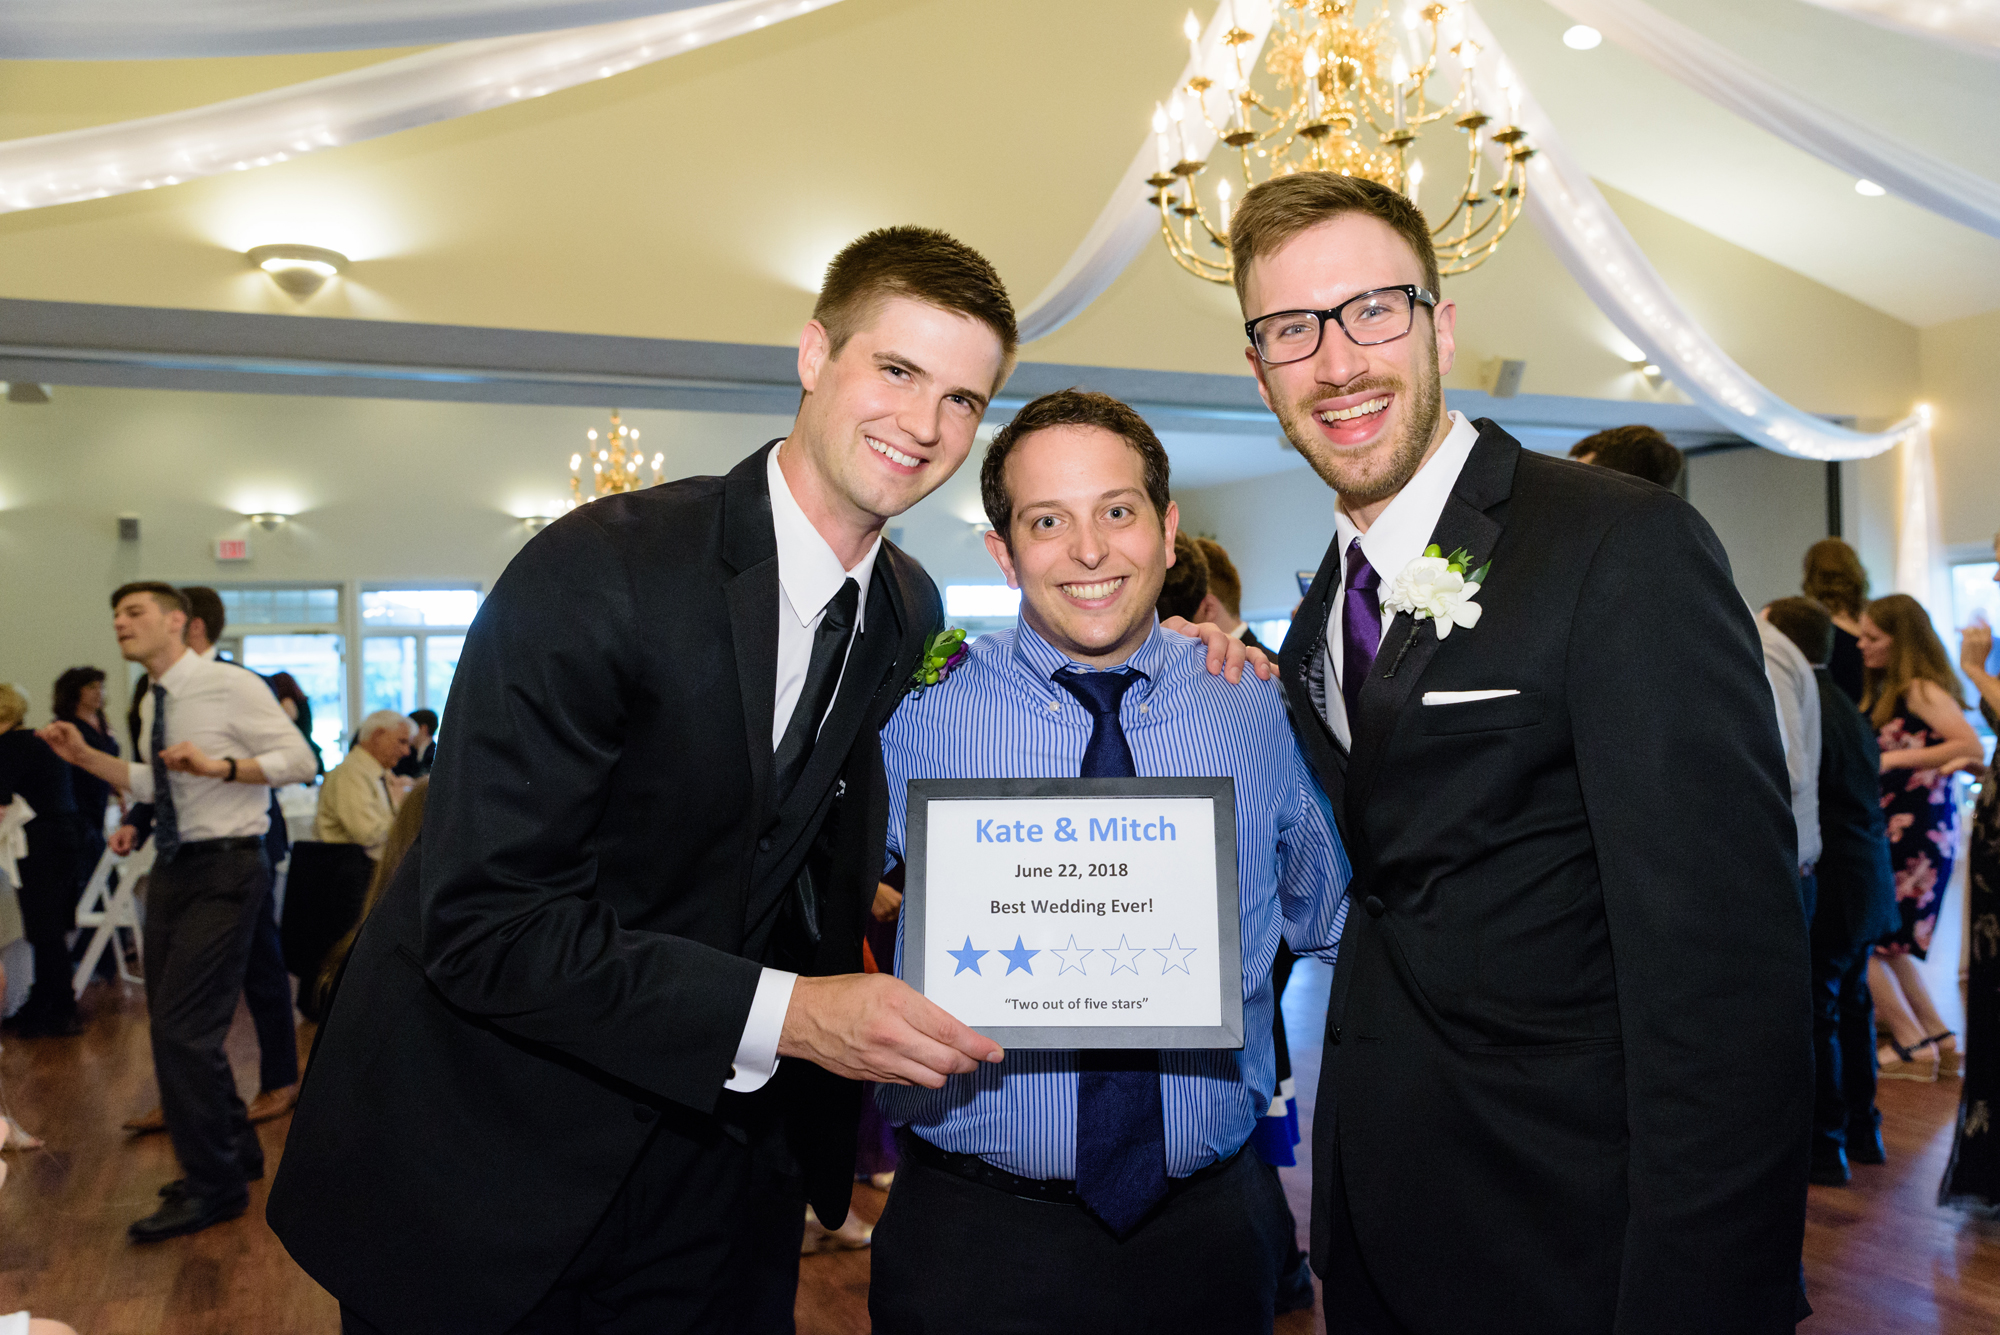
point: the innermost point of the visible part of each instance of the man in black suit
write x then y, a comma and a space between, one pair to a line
1856, 908
1568, 1064
544, 1099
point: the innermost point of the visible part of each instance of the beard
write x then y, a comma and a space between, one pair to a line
1392, 459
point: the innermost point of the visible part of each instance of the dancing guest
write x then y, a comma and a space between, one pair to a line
423, 748
1973, 1176
1637, 451
31, 771
1835, 577
79, 699
1912, 696
1186, 586
358, 801
292, 699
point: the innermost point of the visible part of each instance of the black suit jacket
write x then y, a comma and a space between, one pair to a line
1568, 1072
570, 952
1857, 885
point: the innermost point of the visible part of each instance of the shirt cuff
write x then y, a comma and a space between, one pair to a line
757, 1052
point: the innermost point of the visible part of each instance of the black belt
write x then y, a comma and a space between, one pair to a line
1053, 1191
239, 843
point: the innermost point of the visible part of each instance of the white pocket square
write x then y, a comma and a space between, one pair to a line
1462, 697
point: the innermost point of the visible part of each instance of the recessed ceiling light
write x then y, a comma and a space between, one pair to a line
1868, 188
299, 270
1582, 37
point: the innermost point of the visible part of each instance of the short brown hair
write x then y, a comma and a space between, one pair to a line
919, 263
1070, 407
1279, 209
1637, 451
1806, 624
1223, 581
206, 603
167, 596
1186, 584
1835, 576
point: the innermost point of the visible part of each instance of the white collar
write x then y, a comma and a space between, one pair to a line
210, 654
1404, 528
184, 667
808, 570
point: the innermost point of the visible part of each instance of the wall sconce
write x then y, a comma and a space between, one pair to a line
267, 520
1654, 376
536, 523
299, 270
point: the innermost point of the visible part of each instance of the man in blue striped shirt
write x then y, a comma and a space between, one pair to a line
1096, 1190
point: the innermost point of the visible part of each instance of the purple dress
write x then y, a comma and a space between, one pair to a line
1923, 832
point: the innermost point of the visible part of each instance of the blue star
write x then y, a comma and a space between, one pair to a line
1017, 958
1063, 958
1167, 961
967, 958
1133, 952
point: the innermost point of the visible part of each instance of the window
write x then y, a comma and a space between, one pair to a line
981, 609
1973, 592
297, 630
1271, 634
281, 607
411, 641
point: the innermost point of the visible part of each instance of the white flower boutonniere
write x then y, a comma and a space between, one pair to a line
1435, 587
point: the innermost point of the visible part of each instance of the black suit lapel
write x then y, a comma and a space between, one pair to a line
750, 547
1483, 485
1304, 643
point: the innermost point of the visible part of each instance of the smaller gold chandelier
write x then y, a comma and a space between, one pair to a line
612, 464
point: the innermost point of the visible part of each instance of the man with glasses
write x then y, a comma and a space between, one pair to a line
1568, 1053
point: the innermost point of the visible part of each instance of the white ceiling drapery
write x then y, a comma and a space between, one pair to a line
1803, 122
151, 30
1970, 25
264, 128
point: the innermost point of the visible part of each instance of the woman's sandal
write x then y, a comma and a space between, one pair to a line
1949, 1061
1918, 1062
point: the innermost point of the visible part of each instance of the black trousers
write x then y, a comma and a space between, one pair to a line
954, 1257
267, 990
1843, 1043
701, 1239
201, 911
48, 895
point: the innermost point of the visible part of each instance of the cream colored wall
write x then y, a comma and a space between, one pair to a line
384, 490
1961, 379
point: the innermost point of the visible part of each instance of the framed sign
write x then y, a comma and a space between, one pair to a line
1077, 913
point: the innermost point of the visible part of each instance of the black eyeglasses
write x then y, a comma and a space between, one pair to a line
1381, 316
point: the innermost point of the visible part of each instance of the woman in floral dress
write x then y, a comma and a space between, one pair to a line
1913, 698
1973, 1176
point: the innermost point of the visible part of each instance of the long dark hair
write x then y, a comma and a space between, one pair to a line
70, 687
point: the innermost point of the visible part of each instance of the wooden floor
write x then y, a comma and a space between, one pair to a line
1880, 1256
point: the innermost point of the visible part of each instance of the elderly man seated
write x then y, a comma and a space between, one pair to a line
359, 800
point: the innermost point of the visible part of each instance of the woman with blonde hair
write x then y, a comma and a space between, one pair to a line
1836, 579
1912, 696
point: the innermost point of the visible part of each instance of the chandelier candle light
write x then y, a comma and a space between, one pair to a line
1349, 101
615, 463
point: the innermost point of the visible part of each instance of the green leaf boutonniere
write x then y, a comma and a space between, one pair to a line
943, 652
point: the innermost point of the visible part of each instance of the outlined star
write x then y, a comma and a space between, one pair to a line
1067, 964
1018, 958
967, 958
1130, 951
1174, 947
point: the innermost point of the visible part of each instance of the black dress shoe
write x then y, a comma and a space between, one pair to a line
1864, 1145
1829, 1169
185, 1214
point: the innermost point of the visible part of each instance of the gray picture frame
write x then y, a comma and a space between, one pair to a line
1228, 906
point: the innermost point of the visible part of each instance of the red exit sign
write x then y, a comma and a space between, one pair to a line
232, 549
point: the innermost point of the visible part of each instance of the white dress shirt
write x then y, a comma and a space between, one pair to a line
227, 712
1797, 693
1397, 537
809, 575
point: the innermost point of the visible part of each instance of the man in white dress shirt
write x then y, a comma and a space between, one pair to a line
212, 744
1568, 1053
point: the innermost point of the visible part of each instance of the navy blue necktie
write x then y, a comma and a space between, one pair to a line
166, 821
1121, 1133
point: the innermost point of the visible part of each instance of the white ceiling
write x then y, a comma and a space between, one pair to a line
1646, 134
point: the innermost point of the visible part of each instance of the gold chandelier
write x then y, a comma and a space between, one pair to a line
614, 463
1349, 102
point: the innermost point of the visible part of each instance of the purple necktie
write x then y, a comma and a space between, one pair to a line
1360, 629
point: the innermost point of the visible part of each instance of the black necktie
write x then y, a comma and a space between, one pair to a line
1121, 1135
829, 653
166, 821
